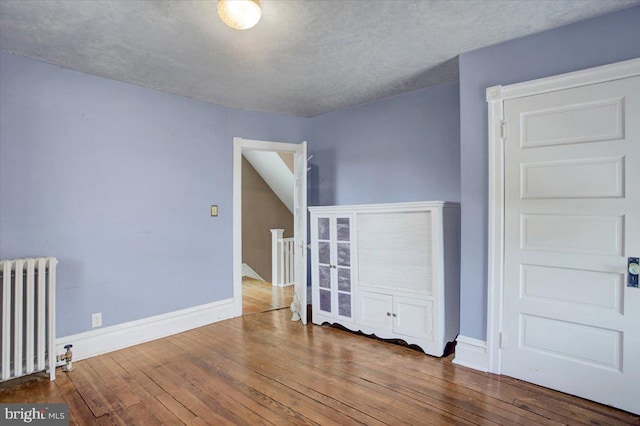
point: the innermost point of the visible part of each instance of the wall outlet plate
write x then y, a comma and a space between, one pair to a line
96, 320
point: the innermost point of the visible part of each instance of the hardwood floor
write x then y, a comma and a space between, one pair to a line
261, 296
265, 369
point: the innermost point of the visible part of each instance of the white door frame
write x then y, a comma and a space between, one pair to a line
240, 145
496, 96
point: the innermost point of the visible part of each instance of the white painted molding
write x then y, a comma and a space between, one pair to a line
386, 207
237, 227
495, 249
471, 353
108, 339
247, 271
496, 95
616, 71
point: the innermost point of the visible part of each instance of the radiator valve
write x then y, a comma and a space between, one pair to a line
67, 358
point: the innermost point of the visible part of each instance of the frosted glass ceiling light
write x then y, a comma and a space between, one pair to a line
239, 14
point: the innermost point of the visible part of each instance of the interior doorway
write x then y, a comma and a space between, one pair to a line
267, 231
259, 291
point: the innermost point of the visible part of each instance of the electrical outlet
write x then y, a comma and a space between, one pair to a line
96, 320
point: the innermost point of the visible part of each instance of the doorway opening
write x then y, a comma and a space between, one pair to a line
269, 226
267, 231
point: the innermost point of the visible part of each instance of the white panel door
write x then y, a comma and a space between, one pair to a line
572, 217
300, 227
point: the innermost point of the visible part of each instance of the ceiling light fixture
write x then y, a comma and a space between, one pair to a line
239, 14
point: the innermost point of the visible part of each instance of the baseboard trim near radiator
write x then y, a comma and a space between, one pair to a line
108, 339
471, 353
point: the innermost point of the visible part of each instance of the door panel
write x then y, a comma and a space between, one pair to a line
413, 317
572, 217
602, 235
572, 342
584, 178
374, 310
590, 289
577, 121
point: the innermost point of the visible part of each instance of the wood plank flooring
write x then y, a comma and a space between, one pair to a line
265, 369
261, 296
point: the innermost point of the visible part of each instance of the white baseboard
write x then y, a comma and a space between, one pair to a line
247, 271
108, 339
471, 353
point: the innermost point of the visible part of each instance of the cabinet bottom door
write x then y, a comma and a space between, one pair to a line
374, 310
414, 318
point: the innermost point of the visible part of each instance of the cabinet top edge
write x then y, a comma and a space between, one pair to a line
414, 205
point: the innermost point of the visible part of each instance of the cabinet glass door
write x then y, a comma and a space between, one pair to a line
324, 263
334, 291
343, 266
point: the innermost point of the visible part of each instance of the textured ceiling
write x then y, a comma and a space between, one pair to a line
303, 58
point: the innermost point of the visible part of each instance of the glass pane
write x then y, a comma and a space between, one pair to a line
323, 228
344, 254
325, 301
343, 229
344, 304
344, 279
325, 276
324, 253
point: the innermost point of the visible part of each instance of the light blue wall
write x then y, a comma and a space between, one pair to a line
610, 38
403, 148
116, 181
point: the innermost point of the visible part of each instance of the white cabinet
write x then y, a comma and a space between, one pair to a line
403, 269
